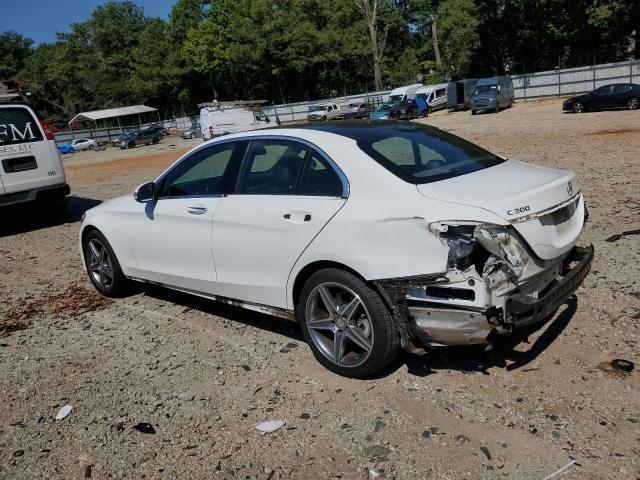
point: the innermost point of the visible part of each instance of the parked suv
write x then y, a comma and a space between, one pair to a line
143, 137
492, 94
30, 165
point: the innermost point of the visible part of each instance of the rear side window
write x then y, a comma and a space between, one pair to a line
272, 167
318, 179
621, 88
17, 125
418, 155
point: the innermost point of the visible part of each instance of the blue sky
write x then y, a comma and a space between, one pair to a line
41, 19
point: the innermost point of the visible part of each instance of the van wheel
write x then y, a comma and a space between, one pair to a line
155, 140
324, 118
102, 266
92, 147
131, 145
497, 109
346, 324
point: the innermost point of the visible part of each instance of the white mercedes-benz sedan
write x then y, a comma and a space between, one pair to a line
373, 236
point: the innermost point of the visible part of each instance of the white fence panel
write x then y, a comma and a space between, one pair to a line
568, 81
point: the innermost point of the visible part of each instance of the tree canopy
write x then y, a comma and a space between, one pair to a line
292, 50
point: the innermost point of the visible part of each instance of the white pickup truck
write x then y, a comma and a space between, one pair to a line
30, 165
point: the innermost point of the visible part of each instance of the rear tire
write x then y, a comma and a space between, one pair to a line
155, 140
131, 145
348, 327
103, 266
92, 147
633, 104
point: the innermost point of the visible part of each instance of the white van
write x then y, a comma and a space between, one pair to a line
30, 165
434, 95
323, 111
221, 118
402, 93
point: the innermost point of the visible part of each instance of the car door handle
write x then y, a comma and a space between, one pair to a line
197, 210
297, 216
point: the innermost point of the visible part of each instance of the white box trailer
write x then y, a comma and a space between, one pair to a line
222, 118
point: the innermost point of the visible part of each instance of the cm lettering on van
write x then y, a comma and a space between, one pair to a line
9, 132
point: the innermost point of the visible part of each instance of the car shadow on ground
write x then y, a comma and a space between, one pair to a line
34, 216
466, 359
241, 315
476, 358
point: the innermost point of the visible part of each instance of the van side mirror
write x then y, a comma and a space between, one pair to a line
145, 192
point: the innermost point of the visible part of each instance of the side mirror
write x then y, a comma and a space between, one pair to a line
145, 192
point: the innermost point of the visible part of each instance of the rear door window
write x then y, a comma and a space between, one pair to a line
318, 179
18, 125
272, 167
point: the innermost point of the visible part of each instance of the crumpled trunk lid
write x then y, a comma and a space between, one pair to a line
543, 204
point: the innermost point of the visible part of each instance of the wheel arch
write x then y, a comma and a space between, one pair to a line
305, 273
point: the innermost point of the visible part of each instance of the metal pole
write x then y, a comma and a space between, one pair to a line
559, 78
139, 120
594, 70
121, 131
630, 70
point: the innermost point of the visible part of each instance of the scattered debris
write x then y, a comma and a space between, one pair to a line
377, 452
618, 236
486, 452
63, 412
18, 453
288, 347
305, 416
617, 366
378, 425
246, 368
145, 428
271, 426
426, 434
87, 470
559, 471
461, 439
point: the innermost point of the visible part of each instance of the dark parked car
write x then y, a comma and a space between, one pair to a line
404, 110
130, 140
618, 95
159, 129
192, 132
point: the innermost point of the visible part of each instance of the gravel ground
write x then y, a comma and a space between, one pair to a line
205, 374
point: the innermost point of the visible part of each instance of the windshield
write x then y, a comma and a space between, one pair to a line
486, 88
395, 98
317, 108
385, 107
423, 154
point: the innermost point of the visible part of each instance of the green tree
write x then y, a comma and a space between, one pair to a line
458, 24
14, 51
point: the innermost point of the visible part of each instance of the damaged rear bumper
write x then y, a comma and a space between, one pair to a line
429, 324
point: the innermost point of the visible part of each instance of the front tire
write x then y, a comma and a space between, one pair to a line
578, 107
91, 147
348, 327
103, 266
633, 104
131, 145
155, 140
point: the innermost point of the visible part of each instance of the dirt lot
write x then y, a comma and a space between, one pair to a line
204, 374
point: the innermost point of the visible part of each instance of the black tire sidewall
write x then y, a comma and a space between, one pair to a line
119, 284
386, 339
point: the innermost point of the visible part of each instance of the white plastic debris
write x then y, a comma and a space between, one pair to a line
271, 426
63, 412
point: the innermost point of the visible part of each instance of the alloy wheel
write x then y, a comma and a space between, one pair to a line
578, 107
339, 324
99, 264
633, 104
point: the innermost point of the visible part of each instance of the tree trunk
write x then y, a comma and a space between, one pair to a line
371, 17
434, 39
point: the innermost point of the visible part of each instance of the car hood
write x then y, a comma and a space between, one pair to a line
543, 204
581, 98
